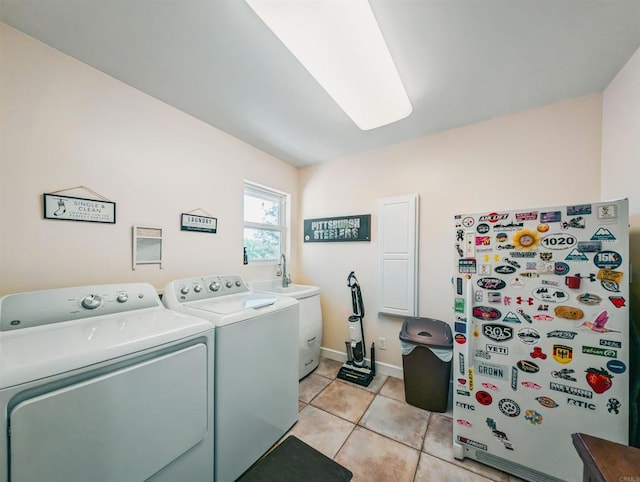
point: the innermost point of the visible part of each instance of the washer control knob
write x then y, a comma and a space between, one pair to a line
122, 298
214, 286
229, 284
184, 290
197, 288
238, 283
91, 302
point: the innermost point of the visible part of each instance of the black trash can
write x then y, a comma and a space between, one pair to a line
427, 350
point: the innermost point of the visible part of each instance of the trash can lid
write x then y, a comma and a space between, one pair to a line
427, 332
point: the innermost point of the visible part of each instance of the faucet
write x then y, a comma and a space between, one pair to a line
282, 271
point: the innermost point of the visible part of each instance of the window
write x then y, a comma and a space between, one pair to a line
264, 222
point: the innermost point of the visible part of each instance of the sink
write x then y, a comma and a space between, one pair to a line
274, 286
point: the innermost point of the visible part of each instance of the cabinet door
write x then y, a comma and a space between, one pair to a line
398, 255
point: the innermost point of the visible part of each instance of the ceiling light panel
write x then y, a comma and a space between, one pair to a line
340, 44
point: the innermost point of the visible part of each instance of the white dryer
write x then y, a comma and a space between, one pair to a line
103, 383
256, 378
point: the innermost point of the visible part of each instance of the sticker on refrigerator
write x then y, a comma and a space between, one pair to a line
526, 239
497, 332
610, 275
471, 443
538, 353
484, 398
493, 217
483, 228
611, 286
581, 403
529, 216
603, 234
551, 217
580, 392
559, 241
468, 222
491, 283
486, 313
568, 312
465, 423
466, 265
547, 402
579, 209
483, 354
611, 343
564, 374
528, 336
616, 366
576, 255
589, 246
508, 226
595, 350
550, 295
589, 299
618, 301
560, 268
528, 366
542, 228
502, 237
490, 386
613, 406
607, 260
565, 335
533, 417
498, 349
562, 354
531, 385
491, 370
514, 379
509, 407
460, 339
577, 223
511, 317
459, 305
598, 325
466, 406
607, 213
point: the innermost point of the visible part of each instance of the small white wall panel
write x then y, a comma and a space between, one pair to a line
398, 255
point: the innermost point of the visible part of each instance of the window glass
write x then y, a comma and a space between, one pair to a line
264, 225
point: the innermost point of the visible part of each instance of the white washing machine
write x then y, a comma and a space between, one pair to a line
256, 379
103, 383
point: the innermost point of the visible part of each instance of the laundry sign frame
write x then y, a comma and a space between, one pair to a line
197, 223
69, 208
356, 227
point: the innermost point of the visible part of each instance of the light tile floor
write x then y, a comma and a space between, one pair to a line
378, 436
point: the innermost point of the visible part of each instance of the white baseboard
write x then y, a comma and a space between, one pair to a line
381, 368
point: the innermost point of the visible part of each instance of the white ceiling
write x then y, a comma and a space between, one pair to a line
462, 61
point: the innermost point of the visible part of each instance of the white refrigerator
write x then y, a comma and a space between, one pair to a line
541, 335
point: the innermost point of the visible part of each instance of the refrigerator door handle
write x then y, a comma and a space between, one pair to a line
469, 354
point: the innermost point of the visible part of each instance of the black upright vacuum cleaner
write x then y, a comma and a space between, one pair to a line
355, 369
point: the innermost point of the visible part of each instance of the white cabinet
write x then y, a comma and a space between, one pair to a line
310, 334
398, 255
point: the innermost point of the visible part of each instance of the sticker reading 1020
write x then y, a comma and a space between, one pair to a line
558, 241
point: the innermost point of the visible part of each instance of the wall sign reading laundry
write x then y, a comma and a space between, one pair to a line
338, 229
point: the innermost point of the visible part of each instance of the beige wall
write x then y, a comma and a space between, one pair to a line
621, 157
65, 124
540, 157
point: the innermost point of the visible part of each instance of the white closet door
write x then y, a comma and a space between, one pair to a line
398, 255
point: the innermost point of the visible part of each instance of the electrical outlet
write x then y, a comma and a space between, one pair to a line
382, 343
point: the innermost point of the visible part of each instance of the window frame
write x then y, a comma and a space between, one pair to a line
268, 194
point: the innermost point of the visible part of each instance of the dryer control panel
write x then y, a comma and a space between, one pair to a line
205, 287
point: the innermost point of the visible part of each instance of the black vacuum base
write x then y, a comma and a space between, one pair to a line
359, 375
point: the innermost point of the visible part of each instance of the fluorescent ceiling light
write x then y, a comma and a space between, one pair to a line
340, 44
